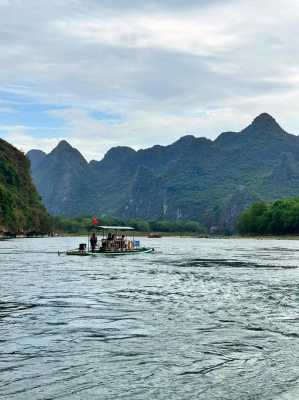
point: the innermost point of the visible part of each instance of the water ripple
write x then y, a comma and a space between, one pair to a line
198, 319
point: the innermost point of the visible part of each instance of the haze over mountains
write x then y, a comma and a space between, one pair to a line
194, 178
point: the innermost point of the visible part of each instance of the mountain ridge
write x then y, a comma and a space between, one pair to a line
192, 178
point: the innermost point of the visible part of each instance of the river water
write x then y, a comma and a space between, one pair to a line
198, 319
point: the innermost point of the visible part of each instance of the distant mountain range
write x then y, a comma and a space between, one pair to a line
194, 178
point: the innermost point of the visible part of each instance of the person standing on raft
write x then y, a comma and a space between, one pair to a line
93, 242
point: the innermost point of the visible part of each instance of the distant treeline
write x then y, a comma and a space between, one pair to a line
278, 218
81, 225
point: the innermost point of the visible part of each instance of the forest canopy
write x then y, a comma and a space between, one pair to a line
280, 217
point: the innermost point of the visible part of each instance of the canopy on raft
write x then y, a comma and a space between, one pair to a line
116, 228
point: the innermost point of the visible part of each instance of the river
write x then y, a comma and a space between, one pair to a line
198, 319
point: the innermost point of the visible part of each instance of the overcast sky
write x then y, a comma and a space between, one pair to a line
101, 73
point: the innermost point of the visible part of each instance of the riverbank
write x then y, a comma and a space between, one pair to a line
144, 234
163, 234
268, 237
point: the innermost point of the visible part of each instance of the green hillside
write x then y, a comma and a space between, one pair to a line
21, 210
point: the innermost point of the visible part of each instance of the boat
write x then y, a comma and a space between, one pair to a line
114, 242
153, 235
78, 252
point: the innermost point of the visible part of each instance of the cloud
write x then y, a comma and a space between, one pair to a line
161, 69
24, 141
180, 33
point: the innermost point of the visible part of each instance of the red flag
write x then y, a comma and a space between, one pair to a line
94, 221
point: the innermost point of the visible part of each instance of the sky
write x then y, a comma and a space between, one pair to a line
101, 73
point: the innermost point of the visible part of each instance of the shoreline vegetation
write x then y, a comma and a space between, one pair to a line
274, 220
262, 221
278, 218
82, 225
163, 234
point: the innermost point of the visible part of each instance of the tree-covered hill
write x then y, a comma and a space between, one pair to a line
21, 210
196, 179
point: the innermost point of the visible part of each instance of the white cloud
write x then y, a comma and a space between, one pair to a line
182, 33
24, 141
167, 67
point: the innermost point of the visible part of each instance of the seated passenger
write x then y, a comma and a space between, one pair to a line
123, 242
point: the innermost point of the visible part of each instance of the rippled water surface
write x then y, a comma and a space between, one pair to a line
198, 319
